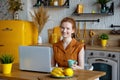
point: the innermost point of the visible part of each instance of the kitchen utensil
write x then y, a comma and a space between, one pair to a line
84, 34
92, 33
78, 31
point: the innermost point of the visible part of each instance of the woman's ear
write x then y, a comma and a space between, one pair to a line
73, 31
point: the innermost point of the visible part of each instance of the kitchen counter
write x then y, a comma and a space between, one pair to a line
113, 49
27, 75
89, 47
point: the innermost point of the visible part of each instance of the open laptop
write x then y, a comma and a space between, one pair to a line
35, 58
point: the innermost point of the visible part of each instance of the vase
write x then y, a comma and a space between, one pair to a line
39, 39
103, 43
15, 15
103, 8
6, 68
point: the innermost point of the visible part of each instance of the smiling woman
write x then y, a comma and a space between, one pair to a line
68, 47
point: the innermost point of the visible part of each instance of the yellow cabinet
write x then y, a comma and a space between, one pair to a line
14, 33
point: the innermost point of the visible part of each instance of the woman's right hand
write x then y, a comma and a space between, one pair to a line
75, 67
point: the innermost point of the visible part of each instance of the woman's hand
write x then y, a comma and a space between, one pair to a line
75, 67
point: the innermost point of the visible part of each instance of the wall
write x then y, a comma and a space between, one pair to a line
4, 13
56, 14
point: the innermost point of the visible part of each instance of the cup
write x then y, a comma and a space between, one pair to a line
71, 62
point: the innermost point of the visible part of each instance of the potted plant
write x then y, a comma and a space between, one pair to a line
6, 61
104, 38
14, 6
103, 1
104, 7
40, 18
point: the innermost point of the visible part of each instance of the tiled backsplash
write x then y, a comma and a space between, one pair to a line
4, 13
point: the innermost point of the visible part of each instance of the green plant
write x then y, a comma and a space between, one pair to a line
104, 36
15, 5
6, 58
103, 1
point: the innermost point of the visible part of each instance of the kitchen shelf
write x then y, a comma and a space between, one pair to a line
66, 5
92, 14
98, 20
109, 13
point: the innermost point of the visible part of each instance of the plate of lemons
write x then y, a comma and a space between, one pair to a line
62, 73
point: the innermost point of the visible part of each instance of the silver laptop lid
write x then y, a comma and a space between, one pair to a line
35, 58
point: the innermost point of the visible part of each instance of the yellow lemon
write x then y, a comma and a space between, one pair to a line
68, 72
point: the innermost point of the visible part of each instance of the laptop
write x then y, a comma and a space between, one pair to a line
36, 58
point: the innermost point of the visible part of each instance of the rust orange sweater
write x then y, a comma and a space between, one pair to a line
62, 55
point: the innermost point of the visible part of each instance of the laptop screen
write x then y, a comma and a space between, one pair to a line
36, 58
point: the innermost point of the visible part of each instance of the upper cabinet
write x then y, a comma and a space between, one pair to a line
52, 3
104, 10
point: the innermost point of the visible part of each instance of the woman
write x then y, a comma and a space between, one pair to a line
68, 47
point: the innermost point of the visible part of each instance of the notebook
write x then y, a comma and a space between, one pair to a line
35, 58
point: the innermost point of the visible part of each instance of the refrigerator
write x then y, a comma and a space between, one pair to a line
14, 33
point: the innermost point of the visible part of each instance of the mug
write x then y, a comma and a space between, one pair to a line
71, 62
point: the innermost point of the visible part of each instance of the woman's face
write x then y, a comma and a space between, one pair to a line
66, 29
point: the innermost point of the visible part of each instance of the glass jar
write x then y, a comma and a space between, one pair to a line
55, 2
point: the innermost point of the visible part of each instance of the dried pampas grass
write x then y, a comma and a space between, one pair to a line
40, 18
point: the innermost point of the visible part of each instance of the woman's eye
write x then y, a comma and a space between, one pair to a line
67, 28
62, 27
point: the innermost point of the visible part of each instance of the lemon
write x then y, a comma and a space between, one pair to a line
68, 72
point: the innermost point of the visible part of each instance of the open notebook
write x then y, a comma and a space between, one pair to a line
35, 58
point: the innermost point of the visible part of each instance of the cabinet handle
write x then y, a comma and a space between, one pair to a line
1, 45
7, 29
